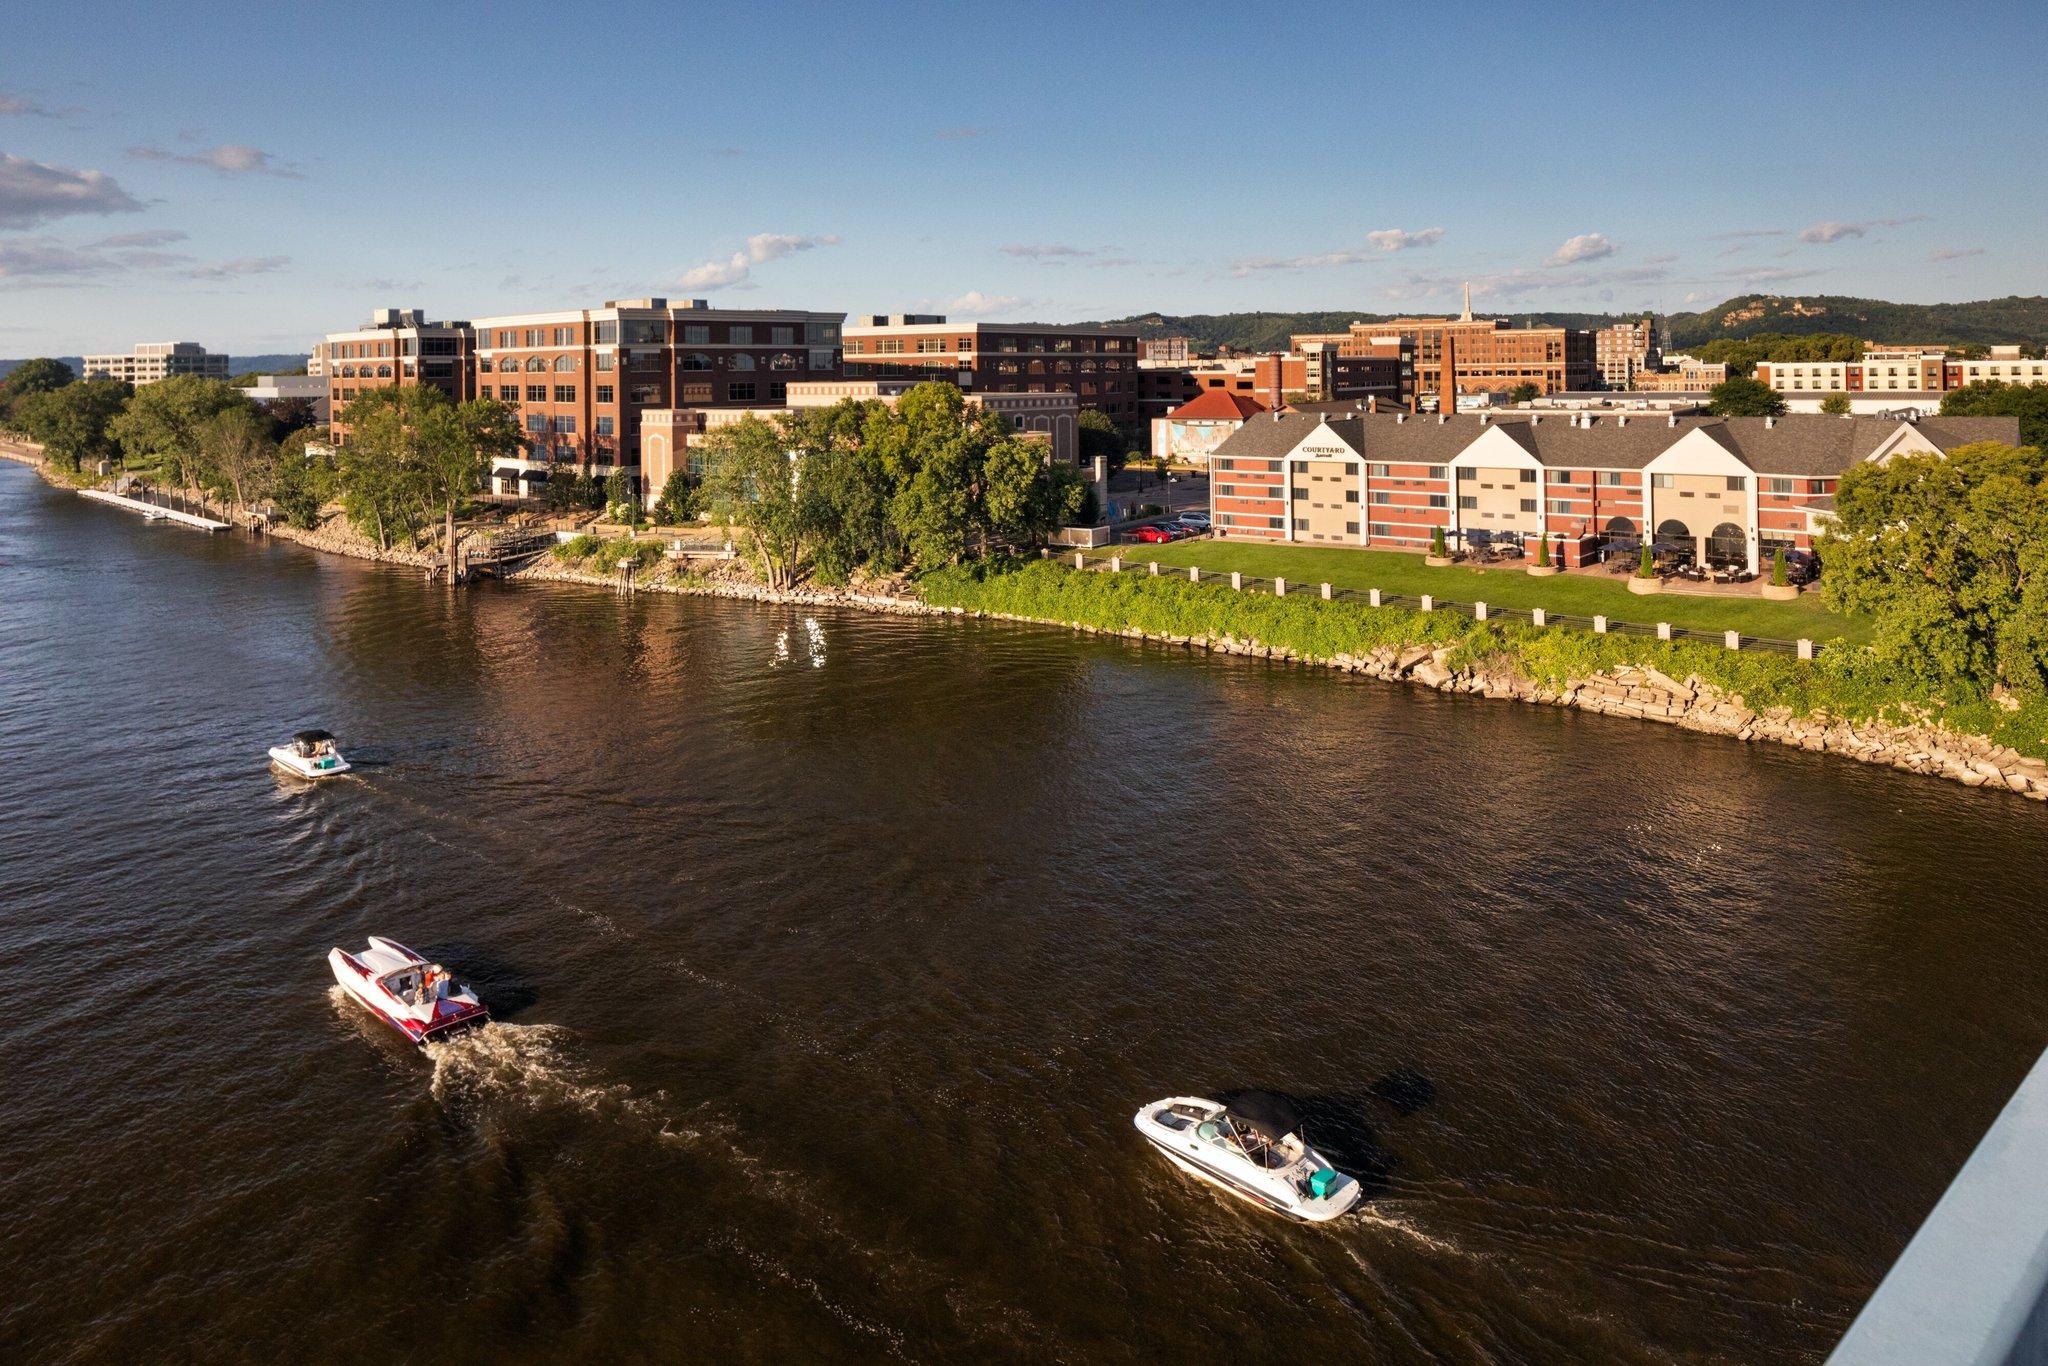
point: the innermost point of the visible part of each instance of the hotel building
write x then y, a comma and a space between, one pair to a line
1193, 431
1491, 357
151, 362
1732, 489
1098, 366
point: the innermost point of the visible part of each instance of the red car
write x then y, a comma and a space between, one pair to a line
1152, 535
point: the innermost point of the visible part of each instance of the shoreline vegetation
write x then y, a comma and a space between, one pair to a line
1842, 703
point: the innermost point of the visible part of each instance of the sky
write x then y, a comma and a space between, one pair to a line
251, 177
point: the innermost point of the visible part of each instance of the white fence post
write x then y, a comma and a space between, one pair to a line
1116, 564
1479, 611
1326, 592
1732, 639
1279, 588
1194, 573
1236, 580
1372, 595
1805, 648
1155, 569
1599, 626
1663, 630
1428, 602
1538, 617
1080, 560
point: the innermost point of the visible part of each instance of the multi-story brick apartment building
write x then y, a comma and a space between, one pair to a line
1099, 366
1167, 350
152, 362
398, 346
2005, 365
1622, 351
1491, 357
1685, 377
1731, 489
1883, 369
581, 378
1318, 372
1162, 388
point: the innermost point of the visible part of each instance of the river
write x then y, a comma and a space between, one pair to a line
830, 983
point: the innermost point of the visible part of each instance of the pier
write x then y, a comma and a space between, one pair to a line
147, 509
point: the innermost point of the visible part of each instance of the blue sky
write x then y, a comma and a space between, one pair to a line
253, 176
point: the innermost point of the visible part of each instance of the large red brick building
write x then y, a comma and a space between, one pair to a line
1098, 366
1729, 489
398, 347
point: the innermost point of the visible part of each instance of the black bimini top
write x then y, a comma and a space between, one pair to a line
312, 737
1272, 1117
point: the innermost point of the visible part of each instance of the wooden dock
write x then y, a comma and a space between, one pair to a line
153, 510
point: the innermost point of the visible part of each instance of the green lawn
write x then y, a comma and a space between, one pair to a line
1394, 571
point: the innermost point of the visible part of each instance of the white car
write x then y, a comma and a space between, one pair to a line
1252, 1148
1195, 521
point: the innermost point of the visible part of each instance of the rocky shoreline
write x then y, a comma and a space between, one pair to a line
1634, 691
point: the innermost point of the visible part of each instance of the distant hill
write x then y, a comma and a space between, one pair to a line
237, 365
1986, 322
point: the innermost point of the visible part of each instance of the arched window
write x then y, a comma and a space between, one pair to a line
1671, 529
740, 360
782, 361
565, 363
1620, 526
696, 360
348, 372
1727, 545
535, 365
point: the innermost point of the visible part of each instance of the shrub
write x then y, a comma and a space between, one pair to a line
611, 554
1543, 552
1778, 576
1436, 542
577, 547
1646, 567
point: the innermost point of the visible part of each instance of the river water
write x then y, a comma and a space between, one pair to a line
831, 982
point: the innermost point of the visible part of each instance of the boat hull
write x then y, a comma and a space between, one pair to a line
286, 760
360, 985
1272, 1193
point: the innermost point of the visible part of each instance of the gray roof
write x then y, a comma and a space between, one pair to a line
1801, 444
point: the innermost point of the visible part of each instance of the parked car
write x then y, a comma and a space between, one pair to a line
1152, 535
1194, 521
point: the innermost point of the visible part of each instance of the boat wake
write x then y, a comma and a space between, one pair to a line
527, 1065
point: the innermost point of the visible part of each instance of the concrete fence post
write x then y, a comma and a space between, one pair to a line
1194, 573
1045, 552
1236, 580
1116, 564
1155, 569
1663, 630
1538, 617
1732, 639
1326, 592
1479, 611
1428, 602
1080, 560
1805, 648
1279, 588
1372, 595
1599, 626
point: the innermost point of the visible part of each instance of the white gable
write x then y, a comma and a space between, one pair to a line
1907, 440
1325, 443
1696, 453
1495, 449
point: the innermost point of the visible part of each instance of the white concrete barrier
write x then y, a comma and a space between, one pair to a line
1663, 630
1428, 602
1326, 592
1372, 595
1116, 564
1805, 648
1080, 560
1237, 580
1732, 639
1279, 588
1600, 626
1194, 573
1479, 611
1538, 617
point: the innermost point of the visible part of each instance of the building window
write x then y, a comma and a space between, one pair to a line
1467, 501
604, 426
1382, 497
1738, 483
1660, 481
696, 360
563, 363
483, 365
1301, 524
561, 336
1777, 486
1381, 471
604, 393
536, 423
782, 336
1436, 471
740, 393
536, 393
1469, 474
740, 360
565, 393
535, 365
822, 360
604, 361
1350, 495
696, 334
508, 393
1438, 500
1559, 505
738, 335
889, 346
565, 424
1528, 505
645, 394
1610, 478
1379, 530
605, 333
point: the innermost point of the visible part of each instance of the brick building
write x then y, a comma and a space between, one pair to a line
1491, 357
398, 347
1729, 489
1623, 351
1098, 366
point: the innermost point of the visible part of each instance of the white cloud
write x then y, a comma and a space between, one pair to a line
230, 158
33, 192
241, 265
1953, 253
1829, 230
152, 237
975, 304
760, 249
1394, 239
23, 258
1587, 246
1042, 252
26, 259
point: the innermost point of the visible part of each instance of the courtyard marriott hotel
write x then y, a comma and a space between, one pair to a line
1731, 490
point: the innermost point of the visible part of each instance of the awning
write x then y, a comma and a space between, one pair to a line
1272, 1117
534, 476
312, 737
504, 472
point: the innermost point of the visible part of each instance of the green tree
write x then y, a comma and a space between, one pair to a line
38, 376
1992, 398
677, 505
160, 429
1835, 404
462, 442
304, 478
620, 499
234, 447
74, 424
1739, 397
1525, 392
751, 483
379, 469
1100, 436
1949, 555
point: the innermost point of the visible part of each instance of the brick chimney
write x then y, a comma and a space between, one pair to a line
1447, 397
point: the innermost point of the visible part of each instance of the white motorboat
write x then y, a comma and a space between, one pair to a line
311, 754
420, 1000
1252, 1148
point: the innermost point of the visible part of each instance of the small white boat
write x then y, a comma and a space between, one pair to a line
311, 754
420, 1000
1252, 1148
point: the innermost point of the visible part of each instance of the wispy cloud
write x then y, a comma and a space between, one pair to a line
1587, 246
241, 265
1397, 239
35, 192
151, 237
1045, 251
761, 248
1953, 253
230, 158
1829, 230
25, 258
22, 105
1768, 275
1745, 232
28, 260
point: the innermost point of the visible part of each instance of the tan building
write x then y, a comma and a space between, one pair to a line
152, 362
2005, 365
1623, 351
1489, 356
1688, 378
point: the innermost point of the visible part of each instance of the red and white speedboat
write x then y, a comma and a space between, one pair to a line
420, 1000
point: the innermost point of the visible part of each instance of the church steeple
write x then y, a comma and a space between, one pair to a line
1466, 316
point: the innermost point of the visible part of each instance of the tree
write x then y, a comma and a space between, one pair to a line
1525, 392
234, 446
751, 485
1835, 404
1100, 436
621, 501
380, 468
74, 424
677, 505
461, 443
1779, 576
1646, 564
303, 479
1739, 397
160, 429
38, 376
1949, 555
1992, 398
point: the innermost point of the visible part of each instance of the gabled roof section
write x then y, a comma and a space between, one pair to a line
1219, 405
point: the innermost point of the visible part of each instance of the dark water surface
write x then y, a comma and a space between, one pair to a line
832, 988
